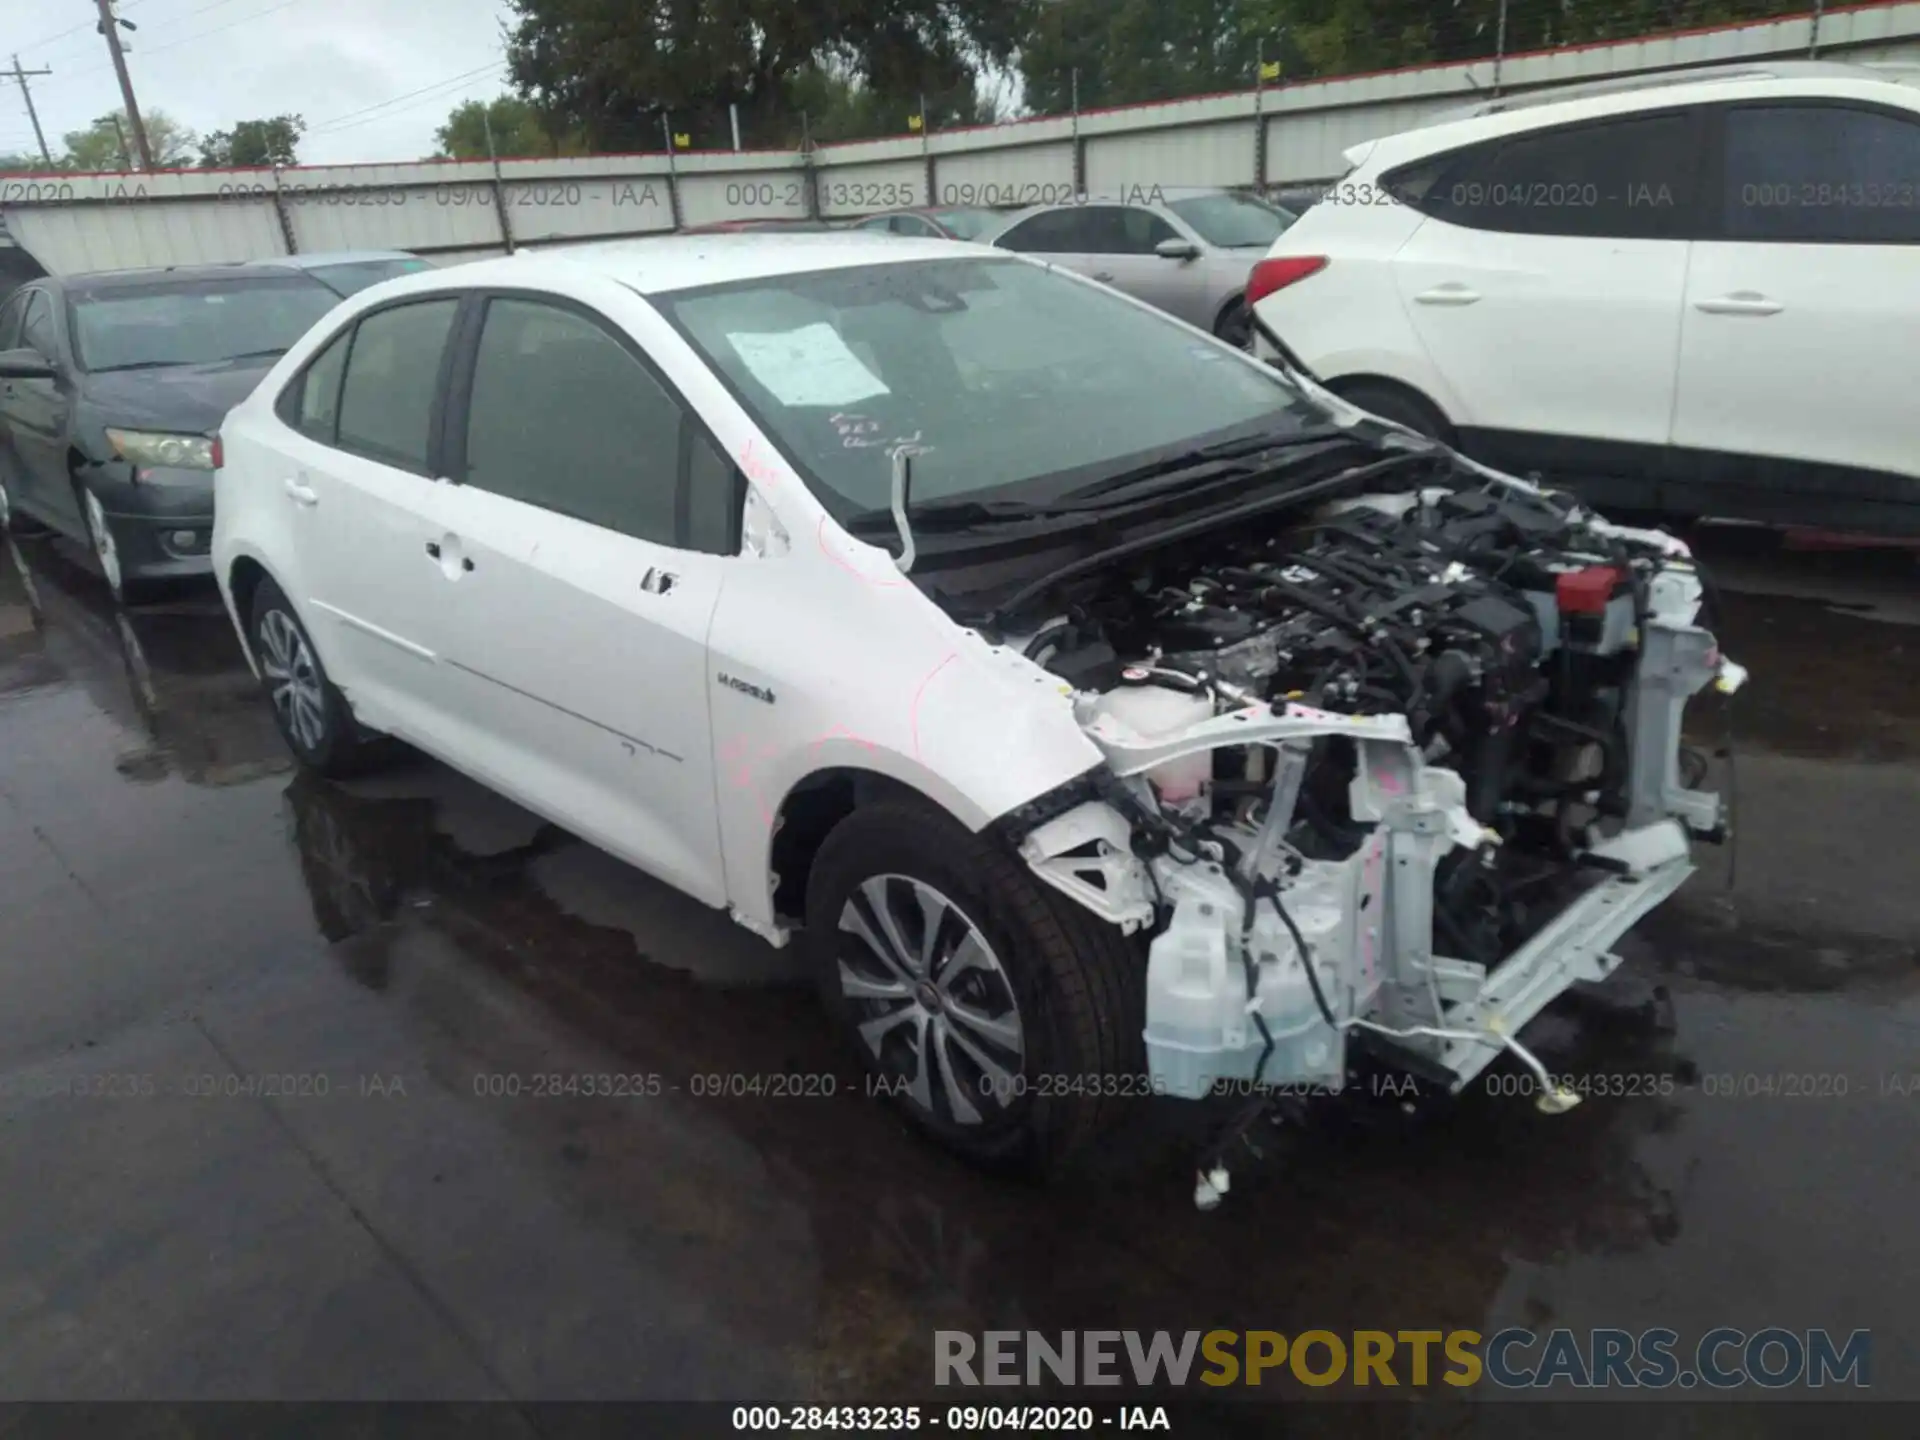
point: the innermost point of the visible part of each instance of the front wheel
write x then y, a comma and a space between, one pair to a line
105, 547
996, 1015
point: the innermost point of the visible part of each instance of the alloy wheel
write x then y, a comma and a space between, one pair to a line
100, 534
293, 680
931, 1000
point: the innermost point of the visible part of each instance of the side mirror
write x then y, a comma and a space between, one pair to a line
26, 364
1177, 249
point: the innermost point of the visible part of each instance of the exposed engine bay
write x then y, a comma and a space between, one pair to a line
1369, 761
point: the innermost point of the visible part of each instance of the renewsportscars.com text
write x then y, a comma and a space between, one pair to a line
1771, 1358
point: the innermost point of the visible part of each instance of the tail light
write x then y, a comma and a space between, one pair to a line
1280, 272
219, 455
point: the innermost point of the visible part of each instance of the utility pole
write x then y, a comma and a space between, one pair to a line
26, 94
109, 27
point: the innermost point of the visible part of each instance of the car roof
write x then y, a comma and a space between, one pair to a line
1623, 95
322, 258
93, 281
658, 264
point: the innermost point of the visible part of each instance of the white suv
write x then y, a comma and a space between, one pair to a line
1698, 294
1074, 684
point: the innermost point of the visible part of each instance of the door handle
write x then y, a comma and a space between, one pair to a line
1103, 276
657, 581
302, 494
1741, 302
434, 552
1452, 293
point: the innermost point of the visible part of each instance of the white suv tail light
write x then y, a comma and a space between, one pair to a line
1271, 275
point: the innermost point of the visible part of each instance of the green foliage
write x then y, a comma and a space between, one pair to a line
1128, 51
517, 131
98, 147
609, 69
254, 143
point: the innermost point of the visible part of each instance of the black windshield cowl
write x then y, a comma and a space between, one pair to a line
1192, 475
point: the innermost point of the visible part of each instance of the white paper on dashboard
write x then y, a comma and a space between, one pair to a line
808, 366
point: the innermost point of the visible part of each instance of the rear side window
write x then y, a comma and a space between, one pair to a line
393, 371
1636, 177
564, 417
1821, 173
316, 411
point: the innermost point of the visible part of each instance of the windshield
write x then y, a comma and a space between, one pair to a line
1233, 222
194, 322
965, 224
353, 276
998, 371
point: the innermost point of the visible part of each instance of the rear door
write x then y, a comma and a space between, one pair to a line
1546, 285
1797, 368
358, 479
585, 552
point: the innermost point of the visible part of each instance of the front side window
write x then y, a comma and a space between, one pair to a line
36, 326
1821, 173
564, 417
11, 314
1631, 178
1051, 232
1123, 230
393, 372
195, 322
1000, 372
1233, 222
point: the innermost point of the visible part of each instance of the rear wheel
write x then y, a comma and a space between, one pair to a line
996, 1015
1398, 404
312, 714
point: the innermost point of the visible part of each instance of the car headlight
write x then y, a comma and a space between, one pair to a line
172, 452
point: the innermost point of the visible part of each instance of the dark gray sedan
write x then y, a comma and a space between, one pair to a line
112, 386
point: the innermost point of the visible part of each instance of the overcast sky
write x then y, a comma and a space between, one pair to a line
372, 78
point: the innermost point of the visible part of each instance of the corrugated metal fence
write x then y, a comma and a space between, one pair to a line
462, 209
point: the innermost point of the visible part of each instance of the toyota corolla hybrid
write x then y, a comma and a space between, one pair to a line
1099, 708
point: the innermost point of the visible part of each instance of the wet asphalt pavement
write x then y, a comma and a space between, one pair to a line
179, 909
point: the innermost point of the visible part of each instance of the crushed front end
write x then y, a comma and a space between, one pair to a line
1399, 772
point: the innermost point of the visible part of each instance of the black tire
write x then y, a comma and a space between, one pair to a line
337, 747
1235, 324
1398, 404
1077, 986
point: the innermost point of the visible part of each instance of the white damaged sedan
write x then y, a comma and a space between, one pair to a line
1105, 711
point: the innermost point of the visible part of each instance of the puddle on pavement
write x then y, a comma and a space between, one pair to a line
493, 929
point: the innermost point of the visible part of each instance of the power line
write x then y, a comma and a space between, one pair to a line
447, 85
73, 30
196, 35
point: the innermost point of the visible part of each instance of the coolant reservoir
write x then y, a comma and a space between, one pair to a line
1151, 711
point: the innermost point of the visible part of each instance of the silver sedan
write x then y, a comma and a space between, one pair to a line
1186, 252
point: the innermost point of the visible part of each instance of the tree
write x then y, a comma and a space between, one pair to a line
1128, 51
24, 164
254, 144
98, 147
516, 126
609, 69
